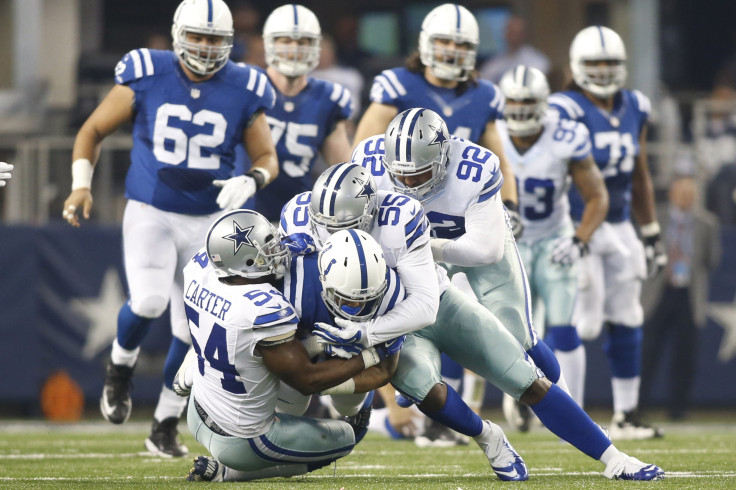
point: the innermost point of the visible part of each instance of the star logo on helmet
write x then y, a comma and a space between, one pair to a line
439, 136
366, 190
240, 237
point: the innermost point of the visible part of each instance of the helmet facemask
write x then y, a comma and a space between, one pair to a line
291, 59
450, 63
353, 275
602, 78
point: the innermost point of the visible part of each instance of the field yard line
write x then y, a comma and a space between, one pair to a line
22, 456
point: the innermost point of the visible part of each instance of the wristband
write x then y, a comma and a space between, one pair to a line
260, 175
82, 171
370, 357
650, 229
344, 388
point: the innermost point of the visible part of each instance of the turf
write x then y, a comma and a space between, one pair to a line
697, 455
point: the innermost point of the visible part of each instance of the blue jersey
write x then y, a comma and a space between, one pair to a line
299, 126
185, 133
302, 287
466, 114
615, 139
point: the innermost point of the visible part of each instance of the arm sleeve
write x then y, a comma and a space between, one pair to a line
418, 275
483, 241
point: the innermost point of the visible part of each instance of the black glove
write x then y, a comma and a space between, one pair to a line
655, 253
517, 228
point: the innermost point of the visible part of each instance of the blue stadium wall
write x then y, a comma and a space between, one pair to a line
60, 289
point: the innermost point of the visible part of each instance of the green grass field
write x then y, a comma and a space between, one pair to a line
700, 454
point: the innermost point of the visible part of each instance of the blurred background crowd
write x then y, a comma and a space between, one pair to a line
58, 62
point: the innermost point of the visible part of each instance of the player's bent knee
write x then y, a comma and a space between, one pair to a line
150, 307
536, 391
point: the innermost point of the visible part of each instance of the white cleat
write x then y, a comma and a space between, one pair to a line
504, 460
626, 426
624, 467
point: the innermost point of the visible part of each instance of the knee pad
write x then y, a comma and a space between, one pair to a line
623, 349
150, 306
564, 338
545, 360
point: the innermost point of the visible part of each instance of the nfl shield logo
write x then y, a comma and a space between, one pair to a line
195, 93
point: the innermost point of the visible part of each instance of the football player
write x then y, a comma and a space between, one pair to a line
343, 197
441, 76
5, 169
543, 152
612, 274
190, 108
243, 332
309, 115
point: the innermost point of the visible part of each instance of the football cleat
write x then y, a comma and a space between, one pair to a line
115, 403
438, 435
360, 421
504, 459
626, 426
164, 439
206, 469
624, 467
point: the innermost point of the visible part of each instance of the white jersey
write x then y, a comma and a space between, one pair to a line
226, 322
369, 154
542, 175
401, 228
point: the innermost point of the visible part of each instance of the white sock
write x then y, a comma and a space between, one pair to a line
572, 364
609, 454
123, 357
169, 405
625, 393
474, 388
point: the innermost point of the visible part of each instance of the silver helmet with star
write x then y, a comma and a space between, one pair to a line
417, 142
343, 197
244, 243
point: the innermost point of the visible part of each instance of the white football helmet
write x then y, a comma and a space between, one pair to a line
343, 197
451, 22
244, 243
598, 44
208, 17
528, 88
293, 22
417, 141
352, 271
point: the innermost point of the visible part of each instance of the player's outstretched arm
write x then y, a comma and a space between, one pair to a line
290, 362
592, 188
114, 110
374, 121
260, 148
336, 147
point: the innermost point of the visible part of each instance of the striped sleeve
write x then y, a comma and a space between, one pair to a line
491, 187
134, 66
387, 88
565, 106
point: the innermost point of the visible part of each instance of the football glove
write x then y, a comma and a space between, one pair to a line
346, 333
517, 227
299, 243
184, 378
5, 169
235, 191
390, 347
567, 250
655, 254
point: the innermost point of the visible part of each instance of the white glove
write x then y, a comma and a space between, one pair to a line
235, 191
350, 336
567, 250
184, 378
5, 169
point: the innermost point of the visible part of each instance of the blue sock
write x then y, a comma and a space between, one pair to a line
545, 360
395, 434
177, 351
561, 415
563, 338
457, 415
623, 349
132, 329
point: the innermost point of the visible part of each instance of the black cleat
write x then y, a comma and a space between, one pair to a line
164, 439
115, 403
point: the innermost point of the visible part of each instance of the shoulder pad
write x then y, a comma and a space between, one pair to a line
140, 63
387, 87
566, 106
